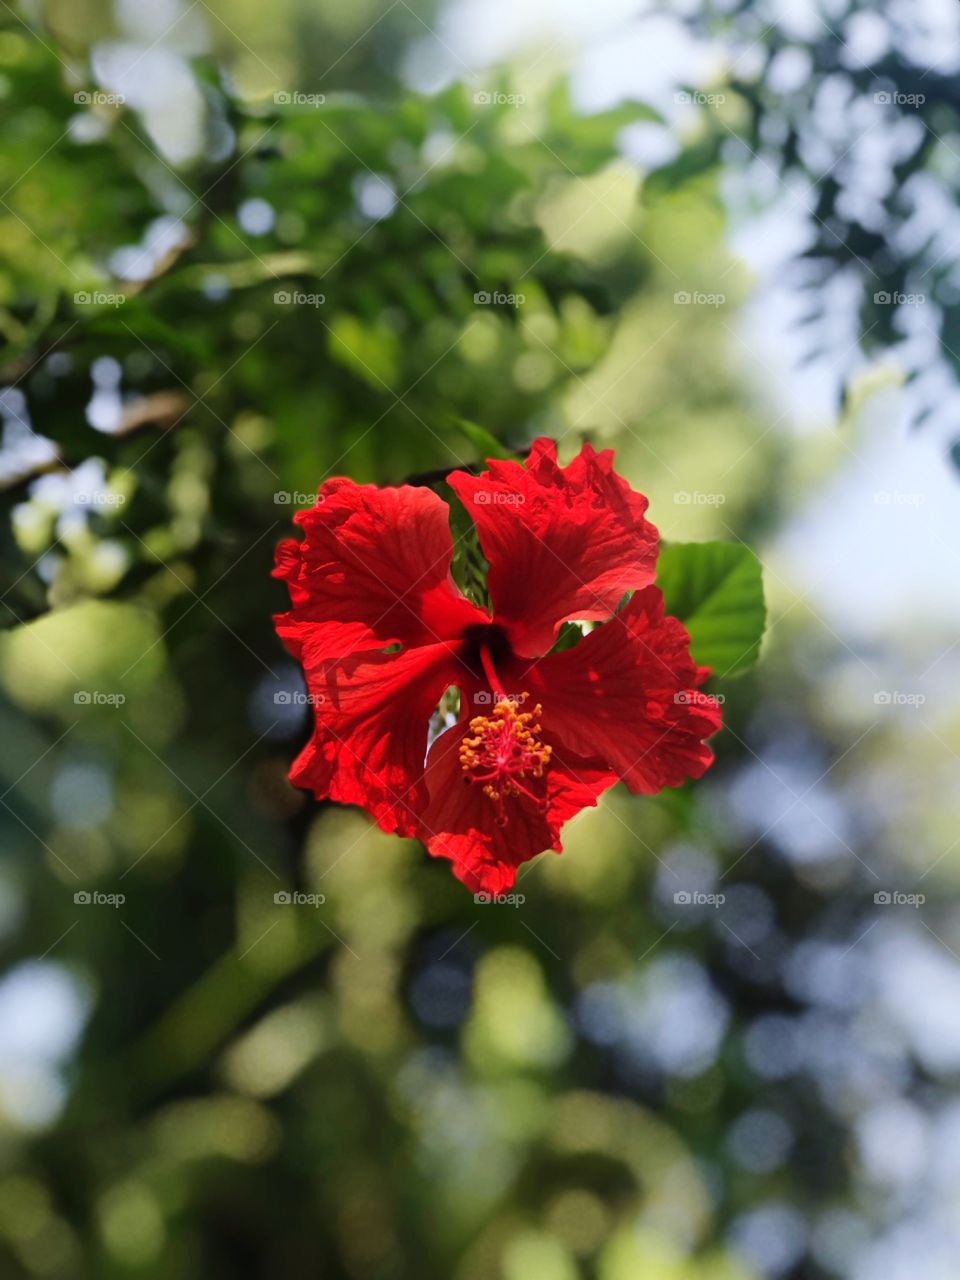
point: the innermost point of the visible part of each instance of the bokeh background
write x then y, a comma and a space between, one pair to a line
244, 247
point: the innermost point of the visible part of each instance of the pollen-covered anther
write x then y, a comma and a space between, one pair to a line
502, 750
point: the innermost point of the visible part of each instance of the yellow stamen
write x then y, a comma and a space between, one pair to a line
503, 749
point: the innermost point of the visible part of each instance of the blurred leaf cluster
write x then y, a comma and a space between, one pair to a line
850, 118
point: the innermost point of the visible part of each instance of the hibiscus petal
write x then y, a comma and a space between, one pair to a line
460, 821
628, 694
372, 714
374, 569
562, 542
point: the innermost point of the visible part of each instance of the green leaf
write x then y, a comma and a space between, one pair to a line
716, 590
482, 440
469, 566
568, 636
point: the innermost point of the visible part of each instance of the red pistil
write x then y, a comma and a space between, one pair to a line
503, 750
486, 661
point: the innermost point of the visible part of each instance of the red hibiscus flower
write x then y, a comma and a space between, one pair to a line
382, 631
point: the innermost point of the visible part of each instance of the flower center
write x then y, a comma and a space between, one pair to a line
502, 750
